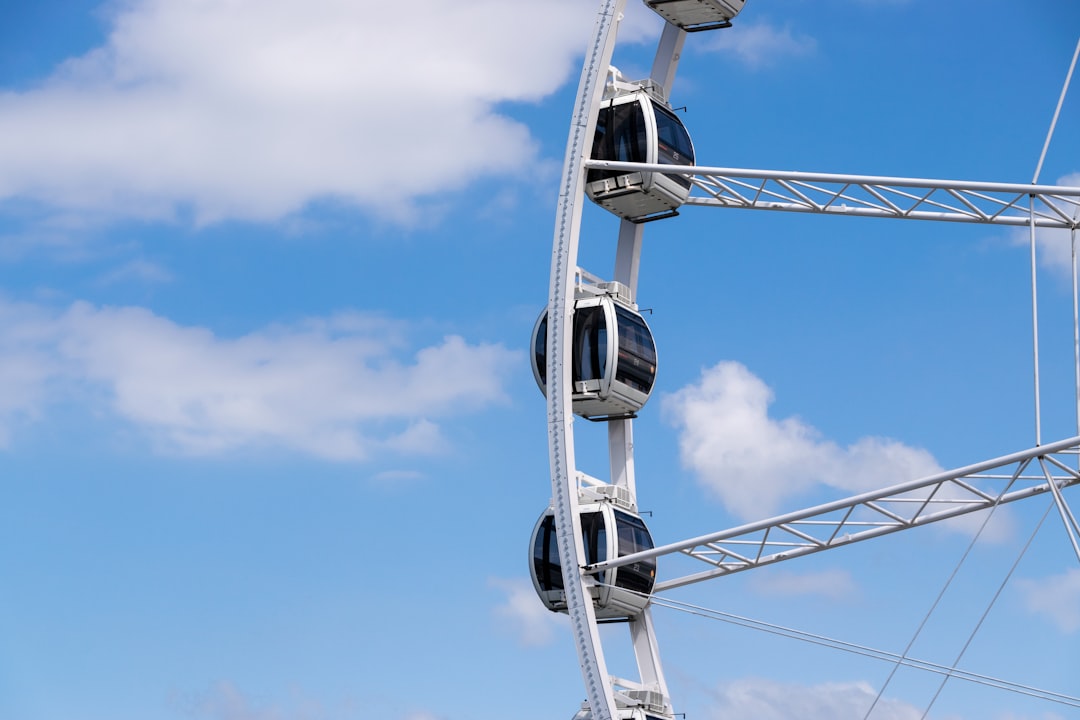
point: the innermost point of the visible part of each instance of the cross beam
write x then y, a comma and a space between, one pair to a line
1051, 206
920, 502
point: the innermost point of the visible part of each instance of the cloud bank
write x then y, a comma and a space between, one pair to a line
253, 109
770, 700
1057, 598
250, 109
754, 463
835, 584
522, 614
336, 388
759, 44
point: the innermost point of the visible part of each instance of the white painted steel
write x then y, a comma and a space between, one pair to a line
869, 515
598, 688
1035, 322
666, 62
861, 517
647, 653
697, 14
621, 432
1057, 113
1053, 206
1076, 324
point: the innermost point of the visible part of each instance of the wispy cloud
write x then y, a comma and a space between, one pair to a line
252, 108
759, 44
335, 388
523, 614
831, 584
771, 700
137, 271
1056, 598
225, 701
754, 463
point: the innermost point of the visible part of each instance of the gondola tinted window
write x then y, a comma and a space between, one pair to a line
620, 137
637, 352
594, 533
540, 349
546, 551
634, 537
546, 557
674, 142
590, 343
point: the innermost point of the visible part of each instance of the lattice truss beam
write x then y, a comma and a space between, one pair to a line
1047, 468
1052, 206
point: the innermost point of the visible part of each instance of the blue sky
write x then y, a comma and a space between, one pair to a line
270, 445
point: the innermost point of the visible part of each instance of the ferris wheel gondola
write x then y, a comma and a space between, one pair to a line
609, 529
614, 354
638, 126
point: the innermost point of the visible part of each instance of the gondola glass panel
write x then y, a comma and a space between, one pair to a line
673, 143
621, 136
634, 537
636, 366
590, 345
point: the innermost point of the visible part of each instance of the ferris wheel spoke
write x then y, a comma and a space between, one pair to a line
920, 502
1050, 206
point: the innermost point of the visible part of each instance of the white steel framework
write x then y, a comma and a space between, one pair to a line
944, 496
1047, 206
983, 486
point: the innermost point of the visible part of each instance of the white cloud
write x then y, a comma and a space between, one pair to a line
393, 478
524, 614
1056, 597
137, 271
754, 463
25, 365
771, 700
759, 44
333, 388
831, 584
252, 108
226, 702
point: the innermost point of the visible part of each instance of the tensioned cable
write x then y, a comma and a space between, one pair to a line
937, 601
986, 612
862, 650
1072, 528
1057, 112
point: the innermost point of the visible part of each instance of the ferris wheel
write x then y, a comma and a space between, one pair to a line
594, 356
